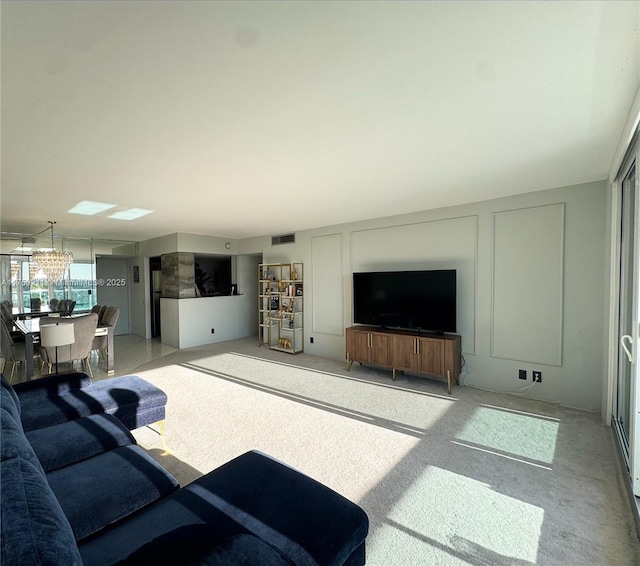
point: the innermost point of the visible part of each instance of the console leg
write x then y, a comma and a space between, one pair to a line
349, 364
449, 381
393, 374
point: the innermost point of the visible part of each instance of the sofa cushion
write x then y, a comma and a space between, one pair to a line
193, 545
304, 520
13, 442
8, 398
34, 528
244, 550
309, 521
132, 400
52, 385
105, 488
71, 442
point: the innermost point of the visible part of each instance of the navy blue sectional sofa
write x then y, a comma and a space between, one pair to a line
78, 490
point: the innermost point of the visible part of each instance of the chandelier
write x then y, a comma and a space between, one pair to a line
15, 270
52, 263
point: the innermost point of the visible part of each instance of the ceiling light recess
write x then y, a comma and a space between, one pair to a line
90, 207
130, 214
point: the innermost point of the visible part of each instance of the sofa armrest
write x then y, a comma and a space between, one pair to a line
51, 385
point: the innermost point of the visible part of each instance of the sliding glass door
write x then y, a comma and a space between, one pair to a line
627, 398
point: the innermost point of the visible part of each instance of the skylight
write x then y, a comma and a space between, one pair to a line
90, 207
130, 214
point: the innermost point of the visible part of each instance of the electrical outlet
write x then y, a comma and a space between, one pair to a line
522, 374
537, 376
311, 340
213, 331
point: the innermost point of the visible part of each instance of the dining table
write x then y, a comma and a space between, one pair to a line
30, 328
26, 312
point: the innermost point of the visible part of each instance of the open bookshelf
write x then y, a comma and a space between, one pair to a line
280, 306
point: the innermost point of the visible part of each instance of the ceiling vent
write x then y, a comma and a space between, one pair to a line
283, 239
28, 240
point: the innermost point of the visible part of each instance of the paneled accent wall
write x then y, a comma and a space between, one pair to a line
439, 244
531, 284
528, 257
326, 263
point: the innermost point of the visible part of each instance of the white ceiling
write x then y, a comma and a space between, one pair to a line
250, 118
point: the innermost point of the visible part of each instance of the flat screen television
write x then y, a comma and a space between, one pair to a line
415, 300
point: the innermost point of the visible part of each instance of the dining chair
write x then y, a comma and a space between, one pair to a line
57, 335
84, 330
36, 304
11, 351
62, 305
66, 306
53, 304
110, 318
6, 311
96, 309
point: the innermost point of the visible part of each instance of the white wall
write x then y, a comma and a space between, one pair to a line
463, 236
188, 322
565, 330
235, 324
199, 244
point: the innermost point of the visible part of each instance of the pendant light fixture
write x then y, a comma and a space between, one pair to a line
52, 263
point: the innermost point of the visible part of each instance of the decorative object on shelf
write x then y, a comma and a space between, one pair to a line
52, 263
298, 289
294, 274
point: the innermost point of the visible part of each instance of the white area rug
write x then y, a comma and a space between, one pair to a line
472, 478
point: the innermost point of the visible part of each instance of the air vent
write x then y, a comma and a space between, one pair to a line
283, 239
28, 240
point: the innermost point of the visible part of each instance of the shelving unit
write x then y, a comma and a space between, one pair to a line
280, 306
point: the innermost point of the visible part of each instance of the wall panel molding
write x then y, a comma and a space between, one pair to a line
326, 285
527, 284
450, 243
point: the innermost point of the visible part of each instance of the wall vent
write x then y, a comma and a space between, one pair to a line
283, 239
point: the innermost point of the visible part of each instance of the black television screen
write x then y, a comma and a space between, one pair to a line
424, 300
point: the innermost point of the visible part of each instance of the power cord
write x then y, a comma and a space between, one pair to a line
520, 391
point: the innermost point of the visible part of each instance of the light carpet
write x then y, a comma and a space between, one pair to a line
471, 478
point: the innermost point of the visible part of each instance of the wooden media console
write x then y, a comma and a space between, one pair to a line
435, 356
